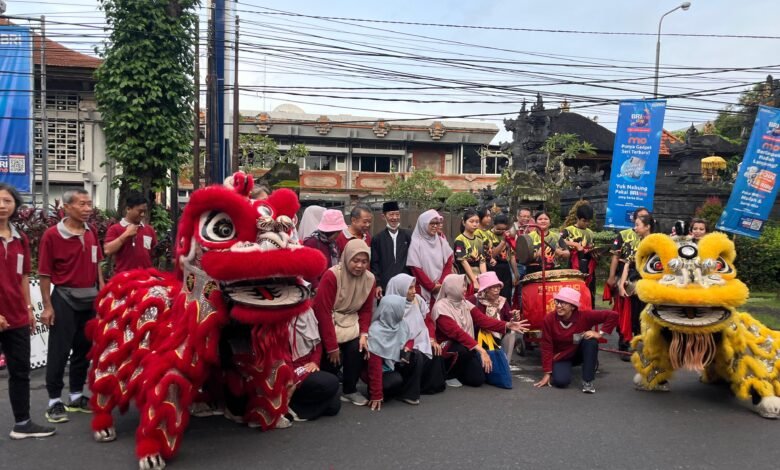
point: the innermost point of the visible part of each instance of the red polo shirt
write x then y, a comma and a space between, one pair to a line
136, 252
69, 260
14, 263
345, 236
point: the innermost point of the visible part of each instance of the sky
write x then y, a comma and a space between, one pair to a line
369, 68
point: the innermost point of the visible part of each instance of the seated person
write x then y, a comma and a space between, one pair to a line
490, 302
456, 319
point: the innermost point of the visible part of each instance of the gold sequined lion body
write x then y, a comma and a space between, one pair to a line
691, 321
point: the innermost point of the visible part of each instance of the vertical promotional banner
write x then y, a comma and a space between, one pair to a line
16, 89
39, 338
634, 160
755, 189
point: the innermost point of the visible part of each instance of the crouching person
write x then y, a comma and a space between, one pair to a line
568, 339
316, 392
394, 368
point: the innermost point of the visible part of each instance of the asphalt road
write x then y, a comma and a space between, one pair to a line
694, 426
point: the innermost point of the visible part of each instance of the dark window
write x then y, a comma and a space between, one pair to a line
472, 162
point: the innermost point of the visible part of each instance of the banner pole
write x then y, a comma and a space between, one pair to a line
44, 123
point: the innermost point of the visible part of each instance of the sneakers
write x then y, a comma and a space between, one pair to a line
79, 404
204, 409
283, 423
295, 416
23, 431
410, 401
56, 413
355, 398
454, 383
587, 387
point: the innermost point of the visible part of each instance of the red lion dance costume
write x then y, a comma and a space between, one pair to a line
157, 336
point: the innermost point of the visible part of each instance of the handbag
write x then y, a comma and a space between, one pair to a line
500, 375
78, 298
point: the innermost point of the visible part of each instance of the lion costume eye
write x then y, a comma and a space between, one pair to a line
721, 266
654, 265
217, 227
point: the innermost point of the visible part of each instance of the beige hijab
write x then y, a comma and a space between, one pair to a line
351, 292
451, 303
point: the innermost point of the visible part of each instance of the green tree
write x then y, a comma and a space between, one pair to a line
459, 201
145, 90
421, 187
735, 122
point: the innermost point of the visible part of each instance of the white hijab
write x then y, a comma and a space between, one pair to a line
414, 316
428, 252
309, 221
304, 334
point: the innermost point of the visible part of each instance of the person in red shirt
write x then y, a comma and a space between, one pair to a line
394, 367
69, 257
456, 320
568, 339
343, 306
16, 315
316, 392
130, 241
359, 227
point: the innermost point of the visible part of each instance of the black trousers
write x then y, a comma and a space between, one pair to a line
317, 395
66, 335
16, 347
587, 354
468, 366
404, 381
636, 309
352, 363
433, 375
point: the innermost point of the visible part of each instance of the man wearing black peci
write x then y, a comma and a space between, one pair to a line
389, 247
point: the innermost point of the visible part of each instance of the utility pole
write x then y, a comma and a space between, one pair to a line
236, 114
44, 123
196, 142
212, 132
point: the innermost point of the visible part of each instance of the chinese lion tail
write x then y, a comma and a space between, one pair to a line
133, 315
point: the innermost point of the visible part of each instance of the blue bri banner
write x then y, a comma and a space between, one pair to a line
755, 190
16, 91
634, 160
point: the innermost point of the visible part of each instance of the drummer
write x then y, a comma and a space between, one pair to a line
554, 248
470, 250
569, 339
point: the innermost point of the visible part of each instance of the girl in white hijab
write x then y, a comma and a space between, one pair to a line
393, 370
456, 320
422, 331
430, 257
309, 221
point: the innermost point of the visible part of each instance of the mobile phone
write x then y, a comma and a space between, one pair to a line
576, 338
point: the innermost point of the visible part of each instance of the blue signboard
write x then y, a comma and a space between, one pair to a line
755, 190
634, 160
16, 90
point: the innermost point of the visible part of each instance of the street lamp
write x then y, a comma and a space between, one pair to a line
684, 6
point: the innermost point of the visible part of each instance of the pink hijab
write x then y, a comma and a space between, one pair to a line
450, 303
428, 252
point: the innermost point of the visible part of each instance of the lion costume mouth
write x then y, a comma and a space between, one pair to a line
687, 316
267, 293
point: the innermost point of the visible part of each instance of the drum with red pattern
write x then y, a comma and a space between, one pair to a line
533, 300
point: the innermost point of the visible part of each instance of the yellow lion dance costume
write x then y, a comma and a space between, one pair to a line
691, 321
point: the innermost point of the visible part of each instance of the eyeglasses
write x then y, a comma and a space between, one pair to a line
436, 223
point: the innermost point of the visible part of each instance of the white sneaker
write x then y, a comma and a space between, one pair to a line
283, 423
355, 398
454, 383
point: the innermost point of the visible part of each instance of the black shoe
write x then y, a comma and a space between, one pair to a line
56, 413
80, 404
23, 431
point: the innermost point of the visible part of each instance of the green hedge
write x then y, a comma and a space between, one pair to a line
758, 260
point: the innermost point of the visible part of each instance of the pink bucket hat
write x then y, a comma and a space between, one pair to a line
332, 221
488, 279
568, 295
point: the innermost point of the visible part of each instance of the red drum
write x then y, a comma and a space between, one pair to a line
533, 308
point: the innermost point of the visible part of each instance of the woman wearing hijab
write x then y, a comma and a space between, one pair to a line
330, 225
343, 306
316, 392
422, 331
568, 339
456, 319
394, 368
430, 257
309, 221
490, 302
